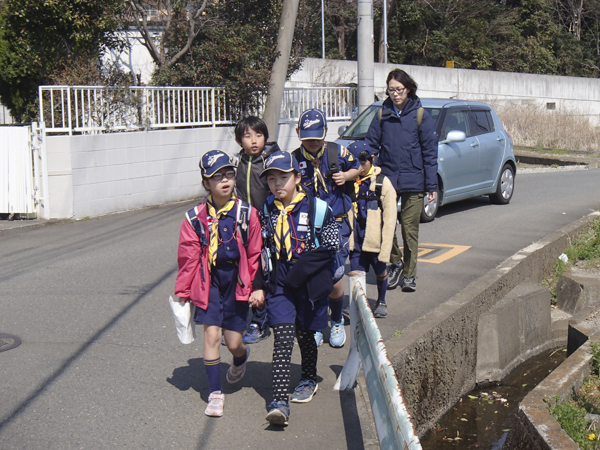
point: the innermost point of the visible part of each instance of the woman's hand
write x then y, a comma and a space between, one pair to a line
431, 196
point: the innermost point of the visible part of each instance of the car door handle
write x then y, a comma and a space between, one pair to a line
500, 139
474, 144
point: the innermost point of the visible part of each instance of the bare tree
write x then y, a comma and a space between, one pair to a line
188, 16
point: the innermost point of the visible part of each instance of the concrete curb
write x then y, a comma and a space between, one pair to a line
535, 427
548, 159
435, 359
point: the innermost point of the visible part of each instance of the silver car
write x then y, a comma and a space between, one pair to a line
475, 153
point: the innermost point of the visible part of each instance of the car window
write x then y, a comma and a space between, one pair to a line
358, 129
456, 119
435, 114
480, 122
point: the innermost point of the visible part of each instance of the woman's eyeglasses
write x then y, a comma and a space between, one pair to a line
220, 175
398, 91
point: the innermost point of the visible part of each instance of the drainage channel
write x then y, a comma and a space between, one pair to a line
482, 418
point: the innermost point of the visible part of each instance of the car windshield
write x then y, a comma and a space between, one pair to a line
358, 129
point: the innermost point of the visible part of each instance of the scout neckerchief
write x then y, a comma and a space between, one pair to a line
316, 162
213, 244
283, 232
360, 181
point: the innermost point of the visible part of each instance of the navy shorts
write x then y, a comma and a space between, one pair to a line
362, 260
223, 309
292, 306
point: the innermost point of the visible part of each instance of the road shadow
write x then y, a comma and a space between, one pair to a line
350, 415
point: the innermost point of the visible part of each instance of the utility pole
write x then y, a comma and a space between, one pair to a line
280, 66
366, 55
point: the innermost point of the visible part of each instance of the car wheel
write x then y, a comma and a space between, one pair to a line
506, 186
430, 209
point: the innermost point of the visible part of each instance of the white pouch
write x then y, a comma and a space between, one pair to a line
183, 315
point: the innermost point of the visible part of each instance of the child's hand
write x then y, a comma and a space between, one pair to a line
257, 298
183, 301
339, 178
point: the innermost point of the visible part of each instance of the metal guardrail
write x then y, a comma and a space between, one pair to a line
99, 109
395, 429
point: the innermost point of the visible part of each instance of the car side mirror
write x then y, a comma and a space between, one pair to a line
454, 136
342, 129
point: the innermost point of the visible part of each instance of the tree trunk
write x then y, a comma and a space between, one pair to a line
280, 66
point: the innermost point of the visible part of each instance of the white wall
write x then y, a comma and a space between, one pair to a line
106, 173
568, 93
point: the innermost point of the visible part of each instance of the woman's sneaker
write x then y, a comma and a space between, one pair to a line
215, 404
305, 391
279, 413
236, 373
394, 274
408, 284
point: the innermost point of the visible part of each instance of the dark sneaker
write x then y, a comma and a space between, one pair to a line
279, 413
380, 310
254, 334
408, 284
305, 391
394, 274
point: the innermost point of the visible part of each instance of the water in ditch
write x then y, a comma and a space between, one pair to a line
482, 418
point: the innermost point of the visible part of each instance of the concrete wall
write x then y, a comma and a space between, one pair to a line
569, 94
106, 173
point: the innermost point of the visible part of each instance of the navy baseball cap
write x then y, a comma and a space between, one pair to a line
214, 160
312, 125
357, 147
282, 161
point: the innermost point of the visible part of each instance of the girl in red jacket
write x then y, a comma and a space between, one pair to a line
219, 250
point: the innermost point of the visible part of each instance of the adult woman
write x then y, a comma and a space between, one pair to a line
404, 140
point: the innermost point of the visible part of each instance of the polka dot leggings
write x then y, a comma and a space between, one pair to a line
282, 358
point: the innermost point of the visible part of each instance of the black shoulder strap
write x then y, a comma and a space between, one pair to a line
192, 218
297, 154
333, 165
243, 219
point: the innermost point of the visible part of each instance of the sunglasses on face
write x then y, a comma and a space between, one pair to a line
220, 175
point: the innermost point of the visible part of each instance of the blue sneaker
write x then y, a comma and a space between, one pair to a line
337, 338
254, 334
318, 338
279, 413
305, 391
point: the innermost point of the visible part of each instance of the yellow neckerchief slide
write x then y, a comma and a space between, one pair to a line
213, 244
283, 232
358, 182
316, 162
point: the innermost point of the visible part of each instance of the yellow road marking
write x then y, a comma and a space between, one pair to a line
453, 251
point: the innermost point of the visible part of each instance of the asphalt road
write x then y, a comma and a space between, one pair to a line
100, 365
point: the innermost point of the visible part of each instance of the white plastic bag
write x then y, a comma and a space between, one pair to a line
183, 315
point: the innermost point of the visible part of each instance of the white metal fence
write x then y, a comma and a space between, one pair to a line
395, 429
97, 109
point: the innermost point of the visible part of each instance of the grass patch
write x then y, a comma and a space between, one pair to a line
583, 251
397, 333
571, 413
533, 126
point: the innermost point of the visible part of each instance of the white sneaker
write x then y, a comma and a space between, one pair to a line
236, 373
215, 404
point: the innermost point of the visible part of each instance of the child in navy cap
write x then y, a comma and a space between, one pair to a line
373, 222
219, 250
326, 167
300, 236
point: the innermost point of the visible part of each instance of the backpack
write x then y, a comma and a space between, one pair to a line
242, 219
333, 166
317, 210
419, 115
370, 195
